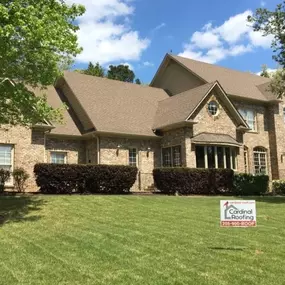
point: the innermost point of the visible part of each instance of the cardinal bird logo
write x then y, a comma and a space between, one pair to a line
226, 204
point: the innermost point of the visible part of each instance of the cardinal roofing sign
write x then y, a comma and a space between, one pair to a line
238, 213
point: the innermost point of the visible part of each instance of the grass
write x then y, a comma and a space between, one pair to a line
137, 240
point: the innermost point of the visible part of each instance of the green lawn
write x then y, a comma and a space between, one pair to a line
137, 240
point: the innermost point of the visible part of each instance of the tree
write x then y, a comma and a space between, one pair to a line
37, 39
264, 72
95, 70
121, 73
272, 23
138, 81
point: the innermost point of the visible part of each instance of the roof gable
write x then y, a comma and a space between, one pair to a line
236, 83
182, 107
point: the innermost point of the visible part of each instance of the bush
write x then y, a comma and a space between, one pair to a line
278, 187
187, 181
76, 178
4, 177
250, 185
20, 177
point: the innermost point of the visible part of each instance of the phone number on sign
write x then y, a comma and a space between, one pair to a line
238, 223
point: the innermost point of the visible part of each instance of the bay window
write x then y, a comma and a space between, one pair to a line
171, 156
215, 157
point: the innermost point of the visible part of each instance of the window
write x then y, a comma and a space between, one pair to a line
260, 161
58, 157
245, 156
6, 158
171, 156
215, 157
133, 156
249, 117
213, 108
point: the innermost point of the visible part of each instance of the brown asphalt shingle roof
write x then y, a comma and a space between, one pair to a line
177, 108
214, 138
53, 99
115, 106
243, 84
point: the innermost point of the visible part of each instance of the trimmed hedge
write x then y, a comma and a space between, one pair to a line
187, 181
76, 178
278, 187
250, 185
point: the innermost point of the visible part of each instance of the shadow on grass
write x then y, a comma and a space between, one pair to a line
266, 199
17, 208
228, 248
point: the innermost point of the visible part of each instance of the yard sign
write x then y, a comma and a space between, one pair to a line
238, 213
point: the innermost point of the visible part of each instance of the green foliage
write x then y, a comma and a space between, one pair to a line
248, 184
264, 72
37, 41
137, 81
278, 187
272, 23
95, 70
74, 178
20, 177
4, 177
121, 73
189, 181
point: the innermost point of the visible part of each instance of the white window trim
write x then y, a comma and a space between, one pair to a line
216, 157
10, 183
245, 110
137, 155
266, 161
58, 151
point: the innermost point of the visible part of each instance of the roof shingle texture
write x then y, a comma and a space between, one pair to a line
115, 106
177, 108
214, 138
243, 84
68, 127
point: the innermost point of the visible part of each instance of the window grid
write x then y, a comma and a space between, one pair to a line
171, 156
133, 157
58, 157
249, 117
245, 156
6, 160
260, 162
213, 108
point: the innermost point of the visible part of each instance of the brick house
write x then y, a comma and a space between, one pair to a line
193, 114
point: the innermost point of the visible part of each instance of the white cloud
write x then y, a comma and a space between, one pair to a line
158, 27
271, 71
232, 38
148, 64
105, 34
131, 67
262, 3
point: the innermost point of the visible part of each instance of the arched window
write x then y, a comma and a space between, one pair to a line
260, 160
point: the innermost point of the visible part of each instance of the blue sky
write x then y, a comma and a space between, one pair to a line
141, 32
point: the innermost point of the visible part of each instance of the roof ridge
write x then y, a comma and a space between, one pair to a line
216, 65
192, 89
113, 80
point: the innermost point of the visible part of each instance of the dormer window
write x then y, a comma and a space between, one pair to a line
213, 108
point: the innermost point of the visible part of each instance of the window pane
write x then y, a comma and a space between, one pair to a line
228, 157
58, 157
245, 154
166, 157
133, 157
211, 156
176, 151
220, 154
200, 157
5, 155
233, 159
259, 157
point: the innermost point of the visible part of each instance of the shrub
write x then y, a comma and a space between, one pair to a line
72, 178
187, 181
20, 177
4, 177
278, 187
250, 185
